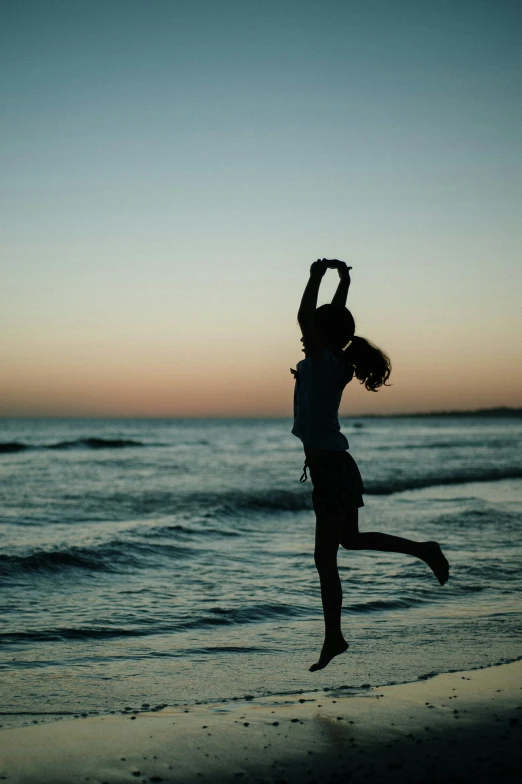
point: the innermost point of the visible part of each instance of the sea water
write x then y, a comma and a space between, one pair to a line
165, 562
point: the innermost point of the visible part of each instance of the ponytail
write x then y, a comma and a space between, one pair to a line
370, 365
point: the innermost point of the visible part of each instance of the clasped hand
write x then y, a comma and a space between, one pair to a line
320, 266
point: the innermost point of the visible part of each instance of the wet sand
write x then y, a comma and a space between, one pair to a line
457, 727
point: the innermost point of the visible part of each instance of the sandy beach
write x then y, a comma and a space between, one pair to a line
463, 726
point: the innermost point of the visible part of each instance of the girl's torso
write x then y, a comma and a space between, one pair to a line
319, 386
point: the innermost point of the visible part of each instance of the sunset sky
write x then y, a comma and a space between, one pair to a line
171, 168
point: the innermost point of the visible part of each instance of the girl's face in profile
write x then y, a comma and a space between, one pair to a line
321, 341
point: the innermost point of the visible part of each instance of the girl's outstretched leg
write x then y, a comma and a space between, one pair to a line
327, 533
429, 552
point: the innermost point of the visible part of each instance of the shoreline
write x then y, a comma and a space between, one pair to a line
13, 719
459, 726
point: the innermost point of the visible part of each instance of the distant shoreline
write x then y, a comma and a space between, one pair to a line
487, 413
503, 411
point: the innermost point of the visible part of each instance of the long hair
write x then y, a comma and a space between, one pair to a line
370, 365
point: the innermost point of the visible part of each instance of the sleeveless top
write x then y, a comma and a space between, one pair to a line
317, 395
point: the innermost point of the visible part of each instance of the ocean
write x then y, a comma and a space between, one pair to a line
154, 562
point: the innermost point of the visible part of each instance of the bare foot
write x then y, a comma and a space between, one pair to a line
332, 646
437, 561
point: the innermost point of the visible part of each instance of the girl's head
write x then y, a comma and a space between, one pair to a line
335, 325
336, 328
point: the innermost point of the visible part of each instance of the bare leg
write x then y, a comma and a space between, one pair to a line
429, 552
327, 534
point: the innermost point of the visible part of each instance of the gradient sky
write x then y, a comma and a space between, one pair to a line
170, 169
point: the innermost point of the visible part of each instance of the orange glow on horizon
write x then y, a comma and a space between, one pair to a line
261, 389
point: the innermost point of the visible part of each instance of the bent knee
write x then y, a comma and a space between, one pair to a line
351, 541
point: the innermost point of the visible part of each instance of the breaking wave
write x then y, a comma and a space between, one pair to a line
77, 443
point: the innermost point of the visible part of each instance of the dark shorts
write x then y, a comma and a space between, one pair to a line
337, 482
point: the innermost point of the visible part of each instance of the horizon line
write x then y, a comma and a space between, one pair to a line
490, 411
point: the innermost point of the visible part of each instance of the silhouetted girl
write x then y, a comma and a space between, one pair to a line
333, 356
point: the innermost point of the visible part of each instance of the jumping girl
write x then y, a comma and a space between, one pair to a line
333, 356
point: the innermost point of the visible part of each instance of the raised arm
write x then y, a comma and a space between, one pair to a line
309, 299
341, 294
305, 314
